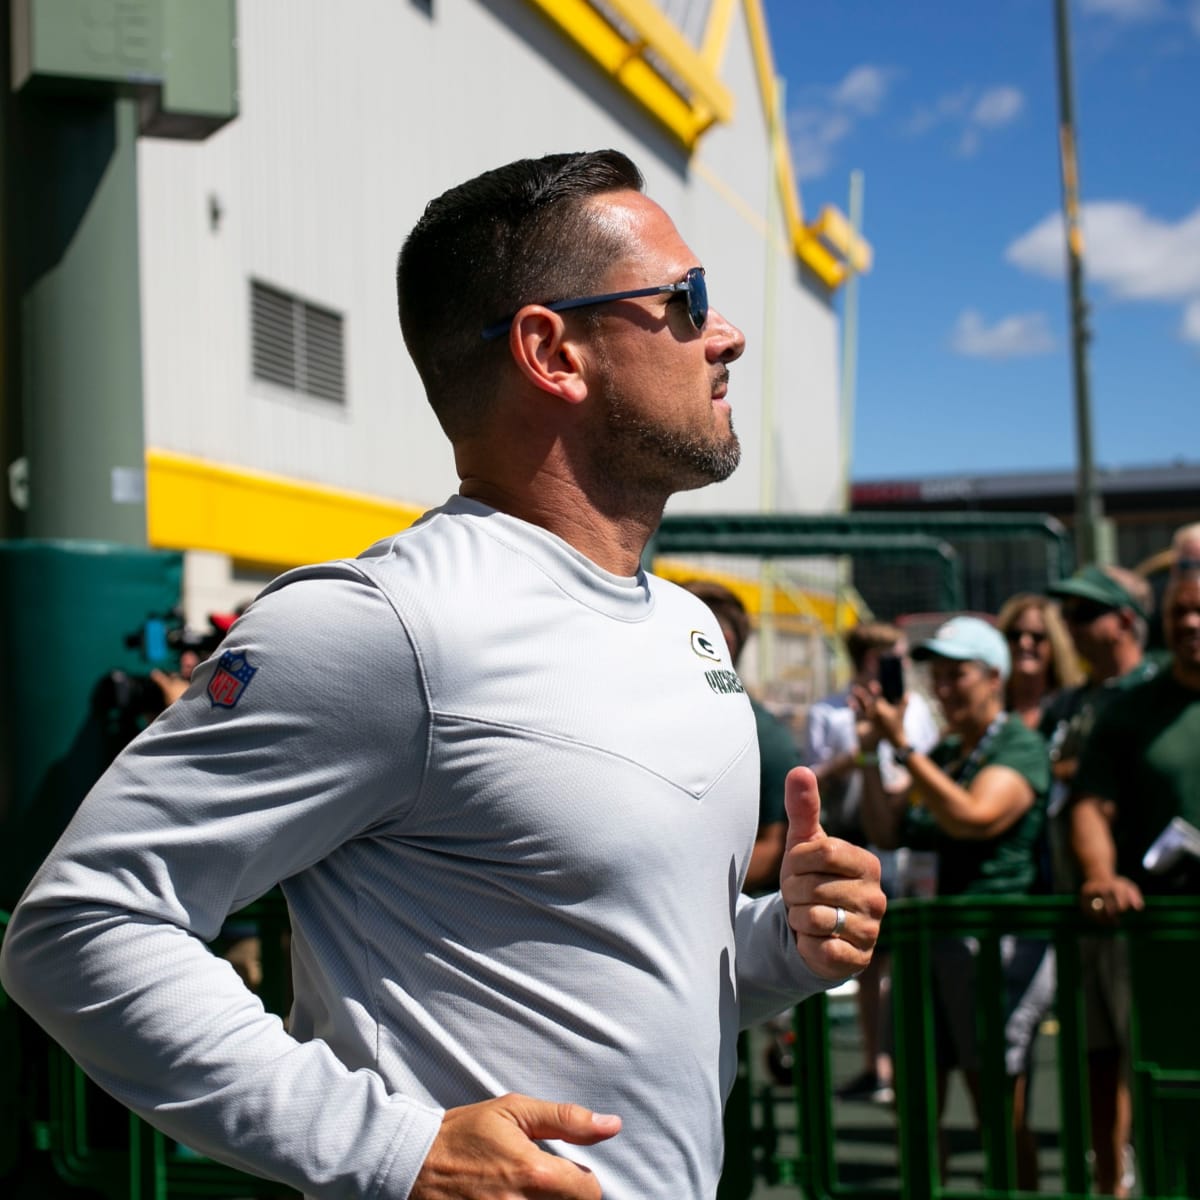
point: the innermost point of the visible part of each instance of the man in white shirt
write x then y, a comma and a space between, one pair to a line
510, 798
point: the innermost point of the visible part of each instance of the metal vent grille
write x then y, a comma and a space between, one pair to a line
296, 344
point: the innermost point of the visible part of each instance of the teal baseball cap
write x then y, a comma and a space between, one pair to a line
1094, 583
968, 639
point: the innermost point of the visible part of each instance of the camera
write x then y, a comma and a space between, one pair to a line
125, 697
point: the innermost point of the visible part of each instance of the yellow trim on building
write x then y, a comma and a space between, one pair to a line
792, 609
277, 523
640, 57
813, 245
624, 58
259, 518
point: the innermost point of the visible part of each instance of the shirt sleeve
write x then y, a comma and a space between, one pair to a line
818, 744
308, 728
771, 975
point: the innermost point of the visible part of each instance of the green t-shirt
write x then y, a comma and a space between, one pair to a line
1144, 757
777, 755
1008, 863
1069, 718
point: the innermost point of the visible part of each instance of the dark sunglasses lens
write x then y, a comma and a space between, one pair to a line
697, 297
1015, 636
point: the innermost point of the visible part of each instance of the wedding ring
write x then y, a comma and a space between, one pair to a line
1097, 903
839, 922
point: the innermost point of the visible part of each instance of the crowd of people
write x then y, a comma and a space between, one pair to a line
1066, 751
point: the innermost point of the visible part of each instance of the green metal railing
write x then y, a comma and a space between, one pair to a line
56, 1114
62, 1125
1164, 945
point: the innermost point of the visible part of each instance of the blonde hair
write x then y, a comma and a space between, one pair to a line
1064, 671
1185, 548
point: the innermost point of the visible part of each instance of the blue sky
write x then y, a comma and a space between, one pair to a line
950, 109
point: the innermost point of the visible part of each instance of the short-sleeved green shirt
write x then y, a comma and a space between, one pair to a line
777, 755
1144, 757
1008, 863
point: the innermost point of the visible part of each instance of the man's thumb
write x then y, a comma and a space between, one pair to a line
573, 1123
802, 800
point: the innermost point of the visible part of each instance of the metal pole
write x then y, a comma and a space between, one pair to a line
850, 341
768, 491
1089, 512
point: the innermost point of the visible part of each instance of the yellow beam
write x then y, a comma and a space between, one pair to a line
716, 33
680, 57
838, 234
806, 240
625, 60
256, 517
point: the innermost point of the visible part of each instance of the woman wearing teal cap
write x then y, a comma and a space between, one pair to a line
978, 800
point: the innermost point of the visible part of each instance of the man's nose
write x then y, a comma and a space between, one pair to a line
726, 341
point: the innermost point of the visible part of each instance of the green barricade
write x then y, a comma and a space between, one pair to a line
1164, 955
63, 1137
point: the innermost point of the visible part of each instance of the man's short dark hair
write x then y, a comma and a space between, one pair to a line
521, 234
872, 635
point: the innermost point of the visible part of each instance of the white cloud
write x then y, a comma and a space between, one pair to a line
863, 89
969, 113
828, 115
1020, 336
1129, 253
968, 143
997, 107
1189, 328
1125, 10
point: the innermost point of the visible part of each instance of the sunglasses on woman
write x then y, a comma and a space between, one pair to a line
692, 284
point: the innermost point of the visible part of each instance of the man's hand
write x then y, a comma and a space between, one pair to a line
488, 1151
824, 880
1105, 899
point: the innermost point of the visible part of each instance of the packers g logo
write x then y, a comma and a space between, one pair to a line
703, 646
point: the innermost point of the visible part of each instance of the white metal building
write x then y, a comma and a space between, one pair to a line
283, 420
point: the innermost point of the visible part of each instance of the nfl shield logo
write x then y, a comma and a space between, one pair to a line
229, 680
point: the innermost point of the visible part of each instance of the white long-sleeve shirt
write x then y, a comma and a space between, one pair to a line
510, 798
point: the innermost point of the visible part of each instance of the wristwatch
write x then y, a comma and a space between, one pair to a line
902, 754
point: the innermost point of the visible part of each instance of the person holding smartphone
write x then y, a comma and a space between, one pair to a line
978, 800
834, 751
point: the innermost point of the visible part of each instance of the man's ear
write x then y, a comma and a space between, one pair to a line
546, 354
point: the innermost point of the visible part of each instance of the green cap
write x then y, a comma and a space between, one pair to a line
1096, 584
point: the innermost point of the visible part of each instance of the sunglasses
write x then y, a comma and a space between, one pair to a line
692, 284
1083, 612
1015, 635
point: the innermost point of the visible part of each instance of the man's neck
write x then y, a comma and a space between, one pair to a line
614, 542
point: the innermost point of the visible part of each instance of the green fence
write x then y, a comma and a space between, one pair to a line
61, 1137
1164, 952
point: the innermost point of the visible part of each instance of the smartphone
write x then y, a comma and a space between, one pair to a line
891, 677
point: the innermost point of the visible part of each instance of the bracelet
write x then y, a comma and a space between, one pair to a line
902, 754
867, 758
